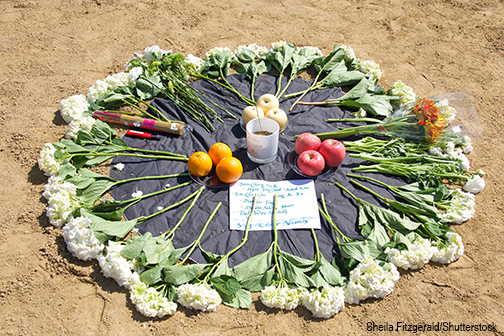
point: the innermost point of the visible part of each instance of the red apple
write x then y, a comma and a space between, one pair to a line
311, 162
306, 141
333, 152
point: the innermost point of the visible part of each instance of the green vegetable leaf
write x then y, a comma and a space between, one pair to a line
359, 90
306, 264
339, 78
375, 105
281, 59
330, 273
174, 257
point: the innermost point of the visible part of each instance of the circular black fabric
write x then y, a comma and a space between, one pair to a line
218, 239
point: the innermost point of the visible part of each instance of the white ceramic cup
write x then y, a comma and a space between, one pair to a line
262, 148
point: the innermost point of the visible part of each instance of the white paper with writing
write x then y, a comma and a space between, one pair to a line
297, 206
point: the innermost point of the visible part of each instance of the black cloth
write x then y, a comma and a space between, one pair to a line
218, 239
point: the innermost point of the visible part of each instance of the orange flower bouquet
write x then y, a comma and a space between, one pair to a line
425, 121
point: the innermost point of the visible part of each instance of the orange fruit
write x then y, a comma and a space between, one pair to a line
219, 151
199, 164
229, 169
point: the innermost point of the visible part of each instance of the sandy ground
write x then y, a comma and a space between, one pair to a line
51, 50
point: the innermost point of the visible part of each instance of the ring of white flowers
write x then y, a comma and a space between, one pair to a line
368, 279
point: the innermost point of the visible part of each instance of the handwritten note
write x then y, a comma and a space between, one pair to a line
297, 206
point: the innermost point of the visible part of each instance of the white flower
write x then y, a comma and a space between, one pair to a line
369, 279
72, 108
80, 239
446, 110
114, 265
437, 151
361, 113
404, 92
118, 79
76, 125
134, 73
137, 193
149, 302
326, 302
349, 52
277, 46
119, 166
193, 64
467, 145
475, 184
199, 296
215, 50
451, 251
282, 297
98, 89
419, 253
461, 207
153, 52
53, 185
259, 51
371, 69
61, 204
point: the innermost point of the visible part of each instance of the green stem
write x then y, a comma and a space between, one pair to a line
286, 86
196, 196
138, 108
356, 120
164, 157
384, 199
244, 240
146, 150
197, 241
275, 238
144, 218
353, 196
328, 218
312, 87
317, 250
155, 193
279, 85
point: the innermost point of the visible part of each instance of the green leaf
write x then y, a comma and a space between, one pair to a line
223, 269
211, 257
282, 58
246, 56
337, 78
254, 266
306, 264
174, 257
294, 274
241, 299
67, 170
94, 191
152, 275
259, 282
157, 249
375, 105
135, 246
148, 87
359, 249
379, 235
102, 131
111, 228
85, 137
180, 274
226, 284
359, 90
318, 280
332, 61
330, 273
80, 182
